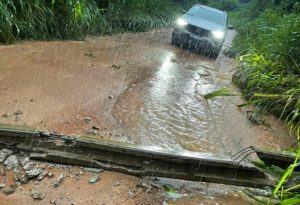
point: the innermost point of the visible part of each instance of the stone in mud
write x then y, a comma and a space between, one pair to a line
94, 179
59, 180
33, 172
45, 133
11, 161
87, 120
9, 189
4, 153
95, 170
36, 194
117, 183
18, 112
2, 170
95, 127
42, 175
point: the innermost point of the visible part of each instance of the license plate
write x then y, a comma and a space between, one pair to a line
195, 37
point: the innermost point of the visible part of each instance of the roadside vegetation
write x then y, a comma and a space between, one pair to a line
75, 19
267, 48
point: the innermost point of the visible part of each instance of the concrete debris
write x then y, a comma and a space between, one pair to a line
34, 172
95, 170
59, 180
11, 162
94, 179
9, 189
4, 153
36, 194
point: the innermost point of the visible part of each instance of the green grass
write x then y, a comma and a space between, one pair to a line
75, 19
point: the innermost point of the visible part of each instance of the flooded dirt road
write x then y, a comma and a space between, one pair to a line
135, 88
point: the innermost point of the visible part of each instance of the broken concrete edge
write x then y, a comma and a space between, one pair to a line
131, 159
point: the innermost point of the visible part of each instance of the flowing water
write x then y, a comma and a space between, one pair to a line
139, 86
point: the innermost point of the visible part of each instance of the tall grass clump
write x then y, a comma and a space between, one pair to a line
269, 64
74, 19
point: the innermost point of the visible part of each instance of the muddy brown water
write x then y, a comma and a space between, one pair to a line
136, 88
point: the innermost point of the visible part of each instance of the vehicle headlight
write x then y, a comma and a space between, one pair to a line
181, 22
218, 34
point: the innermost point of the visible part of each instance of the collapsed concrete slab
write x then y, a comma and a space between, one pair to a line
131, 159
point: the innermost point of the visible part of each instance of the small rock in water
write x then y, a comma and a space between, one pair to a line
36, 194
4, 153
95, 170
11, 161
59, 180
94, 179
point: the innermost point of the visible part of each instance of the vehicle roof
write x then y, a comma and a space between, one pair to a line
211, 9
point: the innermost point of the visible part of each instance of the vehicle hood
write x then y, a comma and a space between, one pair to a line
202, 23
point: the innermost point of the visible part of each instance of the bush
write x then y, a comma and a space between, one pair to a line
269, 70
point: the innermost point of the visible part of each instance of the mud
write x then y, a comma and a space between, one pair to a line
134, 88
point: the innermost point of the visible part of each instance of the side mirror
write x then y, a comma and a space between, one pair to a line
230, 27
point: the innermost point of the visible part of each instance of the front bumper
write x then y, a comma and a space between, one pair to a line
193, 40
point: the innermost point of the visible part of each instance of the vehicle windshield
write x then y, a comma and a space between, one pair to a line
207, 14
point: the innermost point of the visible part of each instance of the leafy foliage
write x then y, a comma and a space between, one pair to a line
65, 19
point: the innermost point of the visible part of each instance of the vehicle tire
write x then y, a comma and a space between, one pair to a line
174, 39
215, 53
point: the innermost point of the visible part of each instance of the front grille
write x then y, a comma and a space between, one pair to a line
197, 30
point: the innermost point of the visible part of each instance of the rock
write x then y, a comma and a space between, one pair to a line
42, 175
11, 161
2, 170
53, 201
18, 112
94, 179
2, 185
6, 115
116, 66
87, 120
50, 175
117, 183
95, 127
9, 189
45, 133
130, 194
4, 153
59, 180
110, 97
95, 170
36, 194
33, 172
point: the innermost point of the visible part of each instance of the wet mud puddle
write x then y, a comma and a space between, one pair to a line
140, 86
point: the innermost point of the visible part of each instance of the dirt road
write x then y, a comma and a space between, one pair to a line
135, 88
